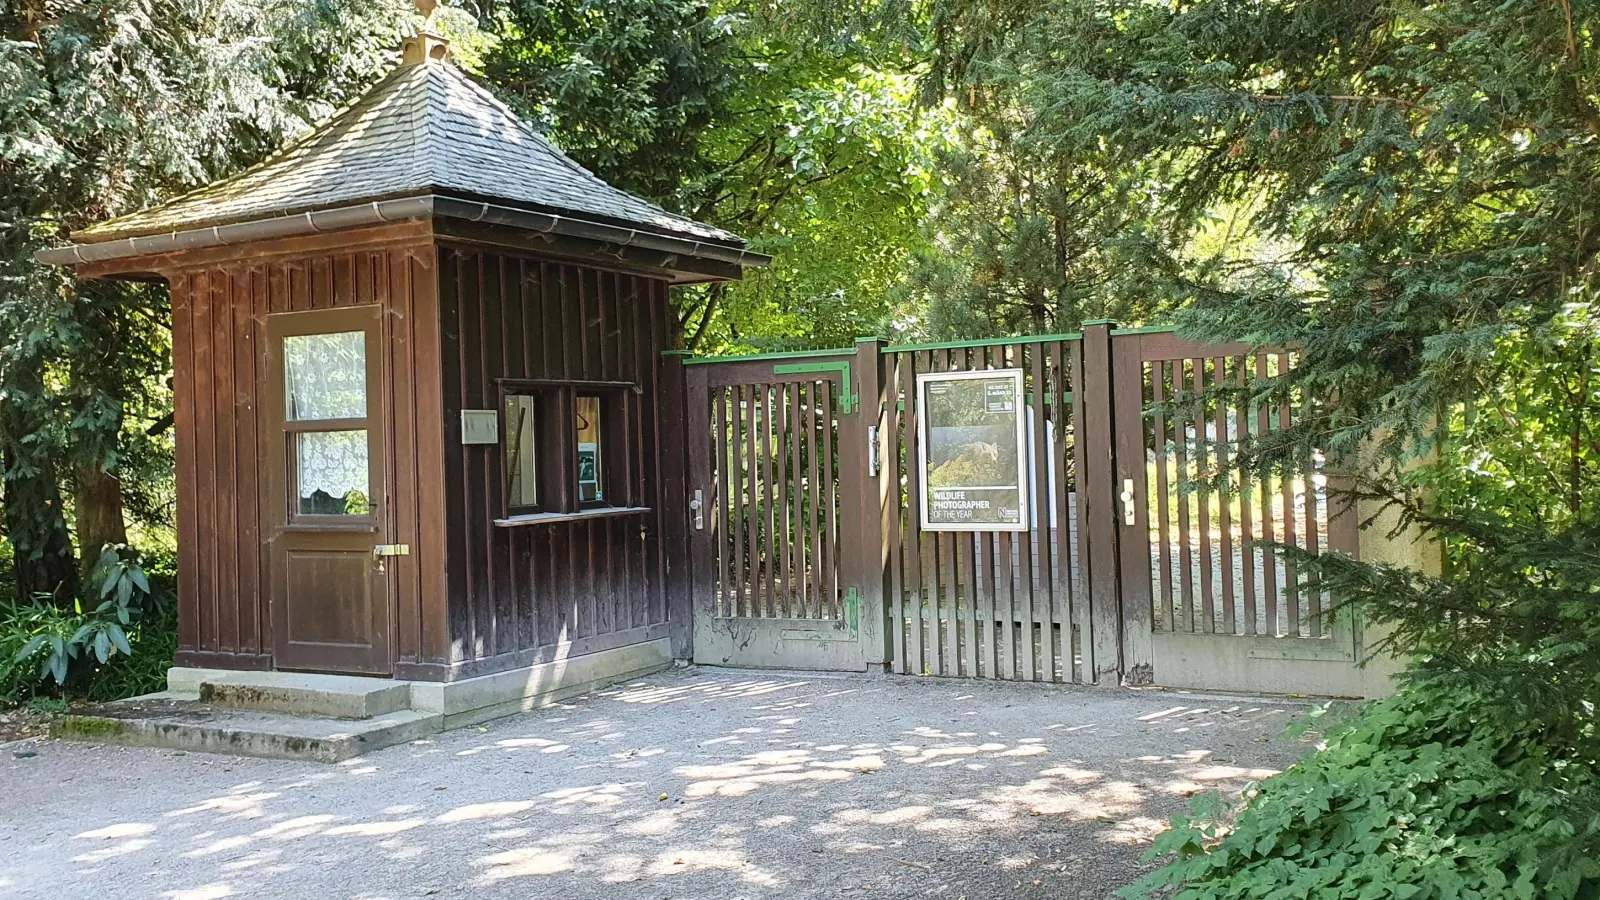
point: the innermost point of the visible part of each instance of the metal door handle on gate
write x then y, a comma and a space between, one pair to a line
1128, 511
697, 506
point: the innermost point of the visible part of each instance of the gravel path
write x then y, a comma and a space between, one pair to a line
694, 784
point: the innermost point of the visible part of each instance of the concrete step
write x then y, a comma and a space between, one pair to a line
171, 721
335, 696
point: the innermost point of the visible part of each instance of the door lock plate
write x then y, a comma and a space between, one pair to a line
391, 549
1129, 512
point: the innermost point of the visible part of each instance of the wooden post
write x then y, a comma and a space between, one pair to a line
1133, 538
1098, 511
870, 553
675, 503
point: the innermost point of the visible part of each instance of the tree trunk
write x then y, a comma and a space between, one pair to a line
37, 529
97, 500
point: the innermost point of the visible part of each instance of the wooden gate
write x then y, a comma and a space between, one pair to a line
991, 604
771, 541
1223, 610
808, 551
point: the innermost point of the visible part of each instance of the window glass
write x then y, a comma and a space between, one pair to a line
587, 410
522, 482
325, 375
331, 472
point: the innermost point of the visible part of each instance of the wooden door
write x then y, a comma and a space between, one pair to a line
324, 490
775, 463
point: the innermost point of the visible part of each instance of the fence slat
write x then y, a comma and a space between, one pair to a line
1286, 488
1246, 518
738, 502
795, 534
895, 515
945, 554
966, 567
1158, 389
780, 506
1044, 663
1224, 506
1208, 609
830, 513
726, 600
911, 547
1185, 555
1269, 530
814, 565
1061, 530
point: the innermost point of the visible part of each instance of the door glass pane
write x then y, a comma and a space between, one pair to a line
522, 485
325, 375
331, 470
588, 422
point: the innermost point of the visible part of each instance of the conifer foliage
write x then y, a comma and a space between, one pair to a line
1409, 197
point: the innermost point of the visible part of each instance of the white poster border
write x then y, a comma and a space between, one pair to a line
925, 378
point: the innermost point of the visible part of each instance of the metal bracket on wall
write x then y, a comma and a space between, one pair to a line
848, 398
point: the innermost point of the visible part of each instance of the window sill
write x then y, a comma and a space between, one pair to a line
312, 526
605, 512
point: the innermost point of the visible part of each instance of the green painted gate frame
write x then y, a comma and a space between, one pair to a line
848, 400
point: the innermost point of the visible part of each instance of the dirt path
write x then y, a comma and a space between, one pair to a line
694, 784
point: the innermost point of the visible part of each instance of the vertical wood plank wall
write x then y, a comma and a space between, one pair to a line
519, 595
218, 319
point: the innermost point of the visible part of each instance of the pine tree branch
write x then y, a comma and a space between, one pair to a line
1347, 98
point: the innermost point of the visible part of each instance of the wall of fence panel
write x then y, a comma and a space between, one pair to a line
982, 604
1213, 566
775, 516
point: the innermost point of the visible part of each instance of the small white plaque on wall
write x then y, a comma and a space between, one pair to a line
480, 426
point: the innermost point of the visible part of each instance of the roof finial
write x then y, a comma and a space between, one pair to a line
426, 45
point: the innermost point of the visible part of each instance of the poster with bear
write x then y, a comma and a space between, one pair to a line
970, 433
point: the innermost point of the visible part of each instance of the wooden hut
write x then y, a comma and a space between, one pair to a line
421, 422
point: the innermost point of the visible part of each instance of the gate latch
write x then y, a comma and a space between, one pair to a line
697, 506
1128, 517
380, 552
873, 463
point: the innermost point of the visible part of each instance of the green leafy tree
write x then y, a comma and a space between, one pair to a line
88, 131
723, 114
710, 110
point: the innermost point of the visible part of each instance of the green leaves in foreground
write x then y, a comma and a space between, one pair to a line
1429, 794
56, 639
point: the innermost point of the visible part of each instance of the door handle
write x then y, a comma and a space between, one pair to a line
697, 506
1129, 513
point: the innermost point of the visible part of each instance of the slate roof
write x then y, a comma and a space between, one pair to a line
426, 128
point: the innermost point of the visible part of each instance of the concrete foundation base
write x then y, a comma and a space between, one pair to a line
473, 700
329, 718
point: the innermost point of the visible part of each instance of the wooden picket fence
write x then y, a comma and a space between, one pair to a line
808, 552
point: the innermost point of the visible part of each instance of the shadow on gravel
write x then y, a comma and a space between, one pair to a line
710, 786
